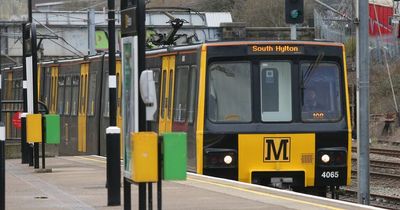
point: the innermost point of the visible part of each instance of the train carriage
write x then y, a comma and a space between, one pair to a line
272, 113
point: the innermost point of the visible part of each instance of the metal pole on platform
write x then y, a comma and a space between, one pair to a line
36, 155
113, 166
34, 86
127, 194
30, 152
113, 132
2, 152
160, 168
363, 103
24, 144
2, 166
142, 196
141, 15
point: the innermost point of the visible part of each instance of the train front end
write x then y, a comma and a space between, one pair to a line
276, 114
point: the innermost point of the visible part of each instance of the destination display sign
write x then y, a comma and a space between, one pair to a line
276, 49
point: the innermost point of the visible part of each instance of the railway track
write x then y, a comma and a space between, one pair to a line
380, 164
379, 151
379, 175
382, 201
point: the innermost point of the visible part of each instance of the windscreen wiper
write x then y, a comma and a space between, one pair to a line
308, 73
310, 70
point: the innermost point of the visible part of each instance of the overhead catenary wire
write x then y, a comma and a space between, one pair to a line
64, 47
60, 37
386, 60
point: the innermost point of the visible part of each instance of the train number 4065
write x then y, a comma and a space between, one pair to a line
330, 174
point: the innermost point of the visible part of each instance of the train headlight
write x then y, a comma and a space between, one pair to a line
220, 158
228, 159
332, 157
325, 158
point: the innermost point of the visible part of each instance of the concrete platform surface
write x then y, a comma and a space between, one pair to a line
79, 183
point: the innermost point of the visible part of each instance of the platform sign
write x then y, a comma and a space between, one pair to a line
130, 97
13, 11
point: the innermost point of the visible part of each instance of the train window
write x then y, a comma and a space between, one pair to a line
157, 81
276, 91
61, 89
42, 83
163, 99
9, 94
181, 93
52, 93
92, 94
18, 95
75, 95
68, 92
106, 112
47, 87
192, 93
170, 93
229, 92
321, 92
119, 95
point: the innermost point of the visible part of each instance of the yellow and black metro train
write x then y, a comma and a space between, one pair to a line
274, 113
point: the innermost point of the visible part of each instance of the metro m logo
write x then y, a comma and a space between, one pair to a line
277, 149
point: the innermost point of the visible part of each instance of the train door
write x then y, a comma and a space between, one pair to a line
166, 96
83, 97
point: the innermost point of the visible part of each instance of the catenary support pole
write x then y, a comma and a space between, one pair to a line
113, 132
91, 32
363, 103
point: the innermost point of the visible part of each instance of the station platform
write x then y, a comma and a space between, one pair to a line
78, 182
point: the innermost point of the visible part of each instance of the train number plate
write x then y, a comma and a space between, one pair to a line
330, 174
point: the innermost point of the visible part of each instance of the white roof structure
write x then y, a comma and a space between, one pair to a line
153, 18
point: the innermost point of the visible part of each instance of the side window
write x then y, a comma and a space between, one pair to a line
227, 81
181, 93
75, 95
83, 98
119, 93
92, 94
68, 88
164, 82
18, 94
106, 111
61, 89
192, 93
157, 81
47, 87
